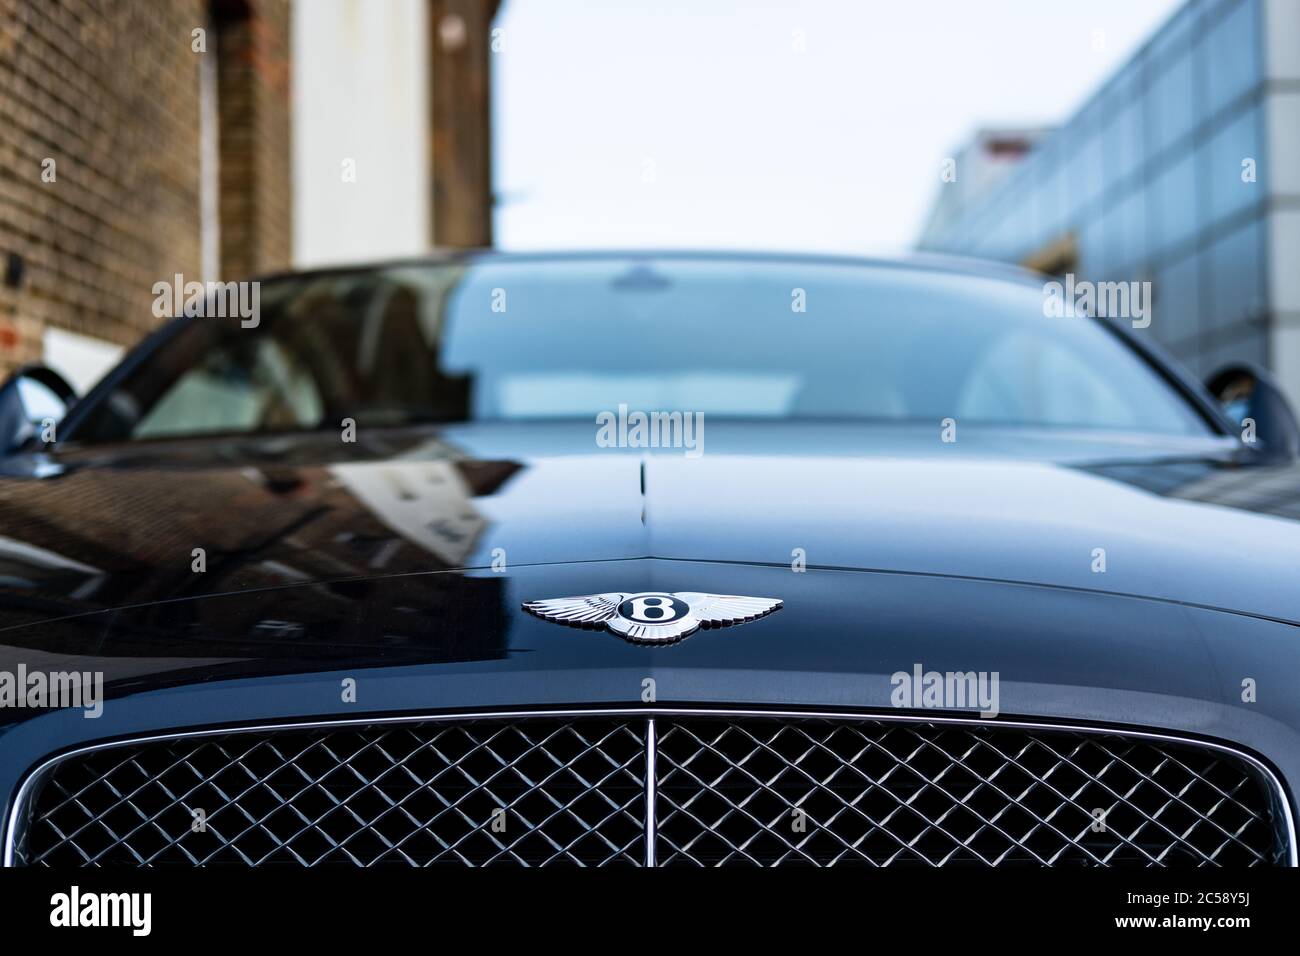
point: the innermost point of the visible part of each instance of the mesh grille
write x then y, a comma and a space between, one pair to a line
477, 793
728, 790
819, 793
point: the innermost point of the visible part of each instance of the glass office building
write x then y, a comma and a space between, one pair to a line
1182, 170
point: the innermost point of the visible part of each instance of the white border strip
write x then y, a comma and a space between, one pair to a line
29, 781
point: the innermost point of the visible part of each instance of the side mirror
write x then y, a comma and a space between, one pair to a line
31, 399
1251, 397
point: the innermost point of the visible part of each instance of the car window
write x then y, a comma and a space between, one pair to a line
519, 339
1026, 376
254, 386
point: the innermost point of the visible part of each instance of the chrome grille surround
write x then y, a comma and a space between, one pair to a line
655, 786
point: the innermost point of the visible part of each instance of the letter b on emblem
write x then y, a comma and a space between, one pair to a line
653, 609
649, 609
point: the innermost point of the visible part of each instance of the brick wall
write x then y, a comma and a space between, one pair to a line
253, 105
460, 122
109, 91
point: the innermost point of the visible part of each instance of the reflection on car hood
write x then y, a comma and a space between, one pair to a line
121, 526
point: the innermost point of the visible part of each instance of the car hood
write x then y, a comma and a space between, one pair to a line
124, 526
397, 566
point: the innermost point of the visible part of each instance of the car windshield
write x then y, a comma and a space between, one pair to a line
515, 339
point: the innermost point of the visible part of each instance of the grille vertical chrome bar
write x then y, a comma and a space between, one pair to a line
651, 745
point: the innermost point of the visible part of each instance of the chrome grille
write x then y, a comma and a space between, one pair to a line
527, 792
824, 793
724, 789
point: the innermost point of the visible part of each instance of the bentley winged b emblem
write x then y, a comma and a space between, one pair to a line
653, 617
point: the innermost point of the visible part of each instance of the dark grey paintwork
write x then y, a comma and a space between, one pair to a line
977, 555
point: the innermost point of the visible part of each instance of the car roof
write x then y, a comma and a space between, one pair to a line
930, 262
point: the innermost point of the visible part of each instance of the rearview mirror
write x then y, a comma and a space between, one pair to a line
33, 400
1251, 397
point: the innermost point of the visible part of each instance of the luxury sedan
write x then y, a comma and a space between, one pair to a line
649, 560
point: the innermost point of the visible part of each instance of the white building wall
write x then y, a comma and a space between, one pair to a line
360, 93
82, 360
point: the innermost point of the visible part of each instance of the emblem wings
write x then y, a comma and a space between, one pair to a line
711, 610
719, 610
586, 610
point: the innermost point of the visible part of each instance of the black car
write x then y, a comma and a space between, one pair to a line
649, 559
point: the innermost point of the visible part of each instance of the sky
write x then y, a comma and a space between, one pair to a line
817, 126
